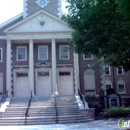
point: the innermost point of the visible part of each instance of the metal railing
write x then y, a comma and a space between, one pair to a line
27, 109
82, 98
56, 121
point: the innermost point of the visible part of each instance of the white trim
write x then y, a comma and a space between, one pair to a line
122, 71
71, 74
25, 9
87, 58
2, 37
15, 71
122, 83
46, 52
32, 16
25, 53
1, 60
10, 21
109, 70
36, 76
59, 8
60, 52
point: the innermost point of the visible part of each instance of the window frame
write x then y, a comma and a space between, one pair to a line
39, 53
1, 60
109, 70
25, 53
87, 58
124, 88
118, 71
60, 52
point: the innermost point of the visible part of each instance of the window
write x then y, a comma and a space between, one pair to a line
21, 53
108, 86
107, 70
87, 56
121, 87
42, 53
1, 54
119, 71
64, 52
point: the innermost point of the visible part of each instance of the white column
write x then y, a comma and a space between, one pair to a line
8, 68
76, 73
31, 66
54, 71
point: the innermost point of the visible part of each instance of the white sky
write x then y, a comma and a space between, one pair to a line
11, 8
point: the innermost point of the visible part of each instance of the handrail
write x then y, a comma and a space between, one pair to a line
56, 121
82, 98
27, 109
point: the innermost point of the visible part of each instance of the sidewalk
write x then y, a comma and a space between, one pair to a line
108, 124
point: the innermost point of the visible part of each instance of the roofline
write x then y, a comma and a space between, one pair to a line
29, 17
2, 37
11, 20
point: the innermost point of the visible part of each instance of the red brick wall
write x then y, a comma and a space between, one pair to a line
33, 7
83, 65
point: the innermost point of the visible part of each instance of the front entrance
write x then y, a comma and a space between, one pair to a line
65, 83
22, 85
43, 83
1, 82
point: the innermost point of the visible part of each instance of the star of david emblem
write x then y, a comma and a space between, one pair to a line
42, 3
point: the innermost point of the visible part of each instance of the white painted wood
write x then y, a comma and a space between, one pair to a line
54, 75
31, 67
22, 87
76, 73
43, 87
8, 68
89, 79
65, 86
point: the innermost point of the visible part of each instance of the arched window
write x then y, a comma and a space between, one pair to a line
108, 84
121, 87
89, 80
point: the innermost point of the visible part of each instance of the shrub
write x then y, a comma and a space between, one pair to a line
117, 112
94, 102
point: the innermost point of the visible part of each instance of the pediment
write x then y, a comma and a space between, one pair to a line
39, 22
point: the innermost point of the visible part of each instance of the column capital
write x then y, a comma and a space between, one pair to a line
30, 40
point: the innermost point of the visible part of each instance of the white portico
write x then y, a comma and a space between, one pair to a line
42, 80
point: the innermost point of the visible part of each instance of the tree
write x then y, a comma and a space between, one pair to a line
101, 29
124, 7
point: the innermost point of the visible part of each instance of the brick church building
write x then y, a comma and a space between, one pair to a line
35, 56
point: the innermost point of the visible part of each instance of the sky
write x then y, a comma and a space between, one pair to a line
11, 8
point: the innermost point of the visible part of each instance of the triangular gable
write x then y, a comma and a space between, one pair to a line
39, 22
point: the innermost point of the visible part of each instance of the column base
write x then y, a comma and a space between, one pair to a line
55, 94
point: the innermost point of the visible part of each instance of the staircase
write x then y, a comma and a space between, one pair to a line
15, 113
42, 111
59, 110
68, 111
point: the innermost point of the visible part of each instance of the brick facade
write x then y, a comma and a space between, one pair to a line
52, 7
33, 7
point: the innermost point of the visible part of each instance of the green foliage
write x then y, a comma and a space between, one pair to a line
94, 102
117, 112
100, 29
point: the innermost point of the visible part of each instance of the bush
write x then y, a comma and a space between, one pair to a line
117, 112
94, 102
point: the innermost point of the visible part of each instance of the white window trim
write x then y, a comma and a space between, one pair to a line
60, 53
109, 70
39, 55
122, 71
87, 58
25, 53
1, 60
124, 88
